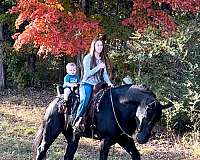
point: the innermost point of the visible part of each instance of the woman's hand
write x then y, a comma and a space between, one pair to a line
101, 65
110, 85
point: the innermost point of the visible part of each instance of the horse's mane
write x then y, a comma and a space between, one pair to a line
144, 89
139, 88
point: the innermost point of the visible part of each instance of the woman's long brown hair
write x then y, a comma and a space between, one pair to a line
102, 55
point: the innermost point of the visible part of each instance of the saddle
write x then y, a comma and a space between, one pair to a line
98, 92
68, 107
65, 107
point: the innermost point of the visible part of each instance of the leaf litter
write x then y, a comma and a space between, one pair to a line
22, 111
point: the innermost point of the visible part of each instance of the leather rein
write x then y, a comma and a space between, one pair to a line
116, 119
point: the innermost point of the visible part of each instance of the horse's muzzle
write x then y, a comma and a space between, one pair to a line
142, 138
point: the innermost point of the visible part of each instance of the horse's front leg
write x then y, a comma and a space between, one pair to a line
72, 143
129, 145
106, 143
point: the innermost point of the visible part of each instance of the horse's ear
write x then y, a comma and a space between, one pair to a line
170, 104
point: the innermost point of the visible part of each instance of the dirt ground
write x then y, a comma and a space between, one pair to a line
21, 112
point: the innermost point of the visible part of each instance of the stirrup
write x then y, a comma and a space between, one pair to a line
77, 126
70, 119
66, 121
77, 130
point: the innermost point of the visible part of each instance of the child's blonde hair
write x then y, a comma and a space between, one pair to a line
71, 64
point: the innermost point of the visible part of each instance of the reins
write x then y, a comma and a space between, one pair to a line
113, 109
122, 130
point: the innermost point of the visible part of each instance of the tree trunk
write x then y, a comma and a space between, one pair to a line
79, 63
30, 63
85, 5
1, 59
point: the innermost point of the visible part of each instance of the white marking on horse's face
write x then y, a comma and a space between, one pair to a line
141, 113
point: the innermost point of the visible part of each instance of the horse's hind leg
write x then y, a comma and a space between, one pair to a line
52, 128
129, 145
72, 144
41, 152
37, 141
45, 144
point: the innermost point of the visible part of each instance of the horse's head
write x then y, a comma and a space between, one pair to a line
148, 114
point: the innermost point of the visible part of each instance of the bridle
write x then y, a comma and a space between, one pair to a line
113, 109
150, 104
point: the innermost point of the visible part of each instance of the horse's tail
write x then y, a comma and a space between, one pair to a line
38, 139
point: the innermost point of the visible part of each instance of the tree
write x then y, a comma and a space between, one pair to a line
2, 76
62, 28
53, 30
157, 13
163, 37
170, 68
1, 59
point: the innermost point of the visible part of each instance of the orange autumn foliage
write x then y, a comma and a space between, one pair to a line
53, 31
145, 14
64, 33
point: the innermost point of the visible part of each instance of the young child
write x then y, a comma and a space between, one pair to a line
70, 82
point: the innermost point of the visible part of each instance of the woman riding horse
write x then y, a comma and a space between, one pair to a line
94, 66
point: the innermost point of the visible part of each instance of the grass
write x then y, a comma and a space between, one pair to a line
19, 123
196, 151
13, 143
17, 134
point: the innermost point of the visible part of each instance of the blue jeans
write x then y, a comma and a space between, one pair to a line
85, 90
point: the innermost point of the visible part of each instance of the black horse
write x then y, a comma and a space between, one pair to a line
115, 121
